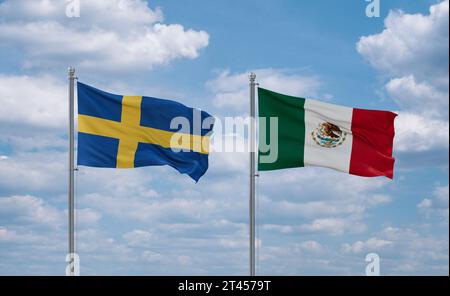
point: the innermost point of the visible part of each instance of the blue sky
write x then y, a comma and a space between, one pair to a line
154, 221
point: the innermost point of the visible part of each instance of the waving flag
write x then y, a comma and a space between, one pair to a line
133, 131
313, 133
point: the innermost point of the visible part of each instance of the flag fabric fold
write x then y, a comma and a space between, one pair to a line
117, 131
314, 133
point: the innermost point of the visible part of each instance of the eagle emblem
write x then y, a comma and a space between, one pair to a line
328, 135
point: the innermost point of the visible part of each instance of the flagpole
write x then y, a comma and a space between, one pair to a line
252, 137
71, 199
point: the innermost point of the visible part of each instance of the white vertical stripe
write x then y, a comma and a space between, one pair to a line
338, 157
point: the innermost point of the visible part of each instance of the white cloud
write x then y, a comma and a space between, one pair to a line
150, 210
442, 196
33, 101
440, 199
413, 53
138, 237
117, 35
280, 228
233, 243
333, 226
12, 236
151, 256
322, 200
415, 132
308, 205
410, 43
378, 199
404, 250
137, 183
87, 216
419, 251
231, 89
419, 97
312, 246
94, 243
35, 212
30, 210
33, 116
425, 204
113, 14
324, 209
371, 245
34, 172
437, 205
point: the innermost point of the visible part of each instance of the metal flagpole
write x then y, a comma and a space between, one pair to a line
71, 171
252, 136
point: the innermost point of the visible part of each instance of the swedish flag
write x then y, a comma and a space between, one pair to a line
132, 131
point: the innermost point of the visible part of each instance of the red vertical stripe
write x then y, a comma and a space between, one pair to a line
373, 137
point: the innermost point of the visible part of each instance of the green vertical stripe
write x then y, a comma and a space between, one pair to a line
291, 129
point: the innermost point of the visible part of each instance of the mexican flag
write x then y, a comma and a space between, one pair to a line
313, 133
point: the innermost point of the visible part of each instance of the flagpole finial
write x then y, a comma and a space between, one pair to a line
252, 77
71, 71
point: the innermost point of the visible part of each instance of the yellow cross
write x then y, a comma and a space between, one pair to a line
130, 133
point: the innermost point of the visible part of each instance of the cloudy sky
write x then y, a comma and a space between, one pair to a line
154, 221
